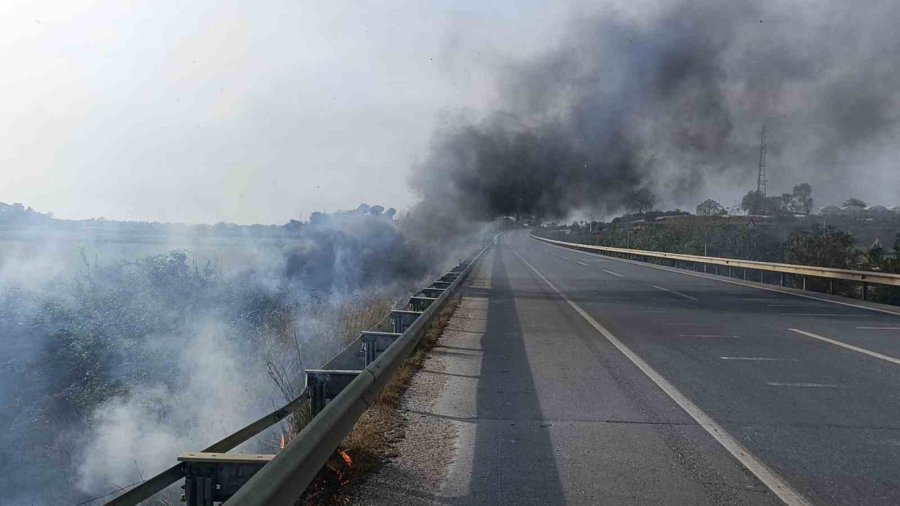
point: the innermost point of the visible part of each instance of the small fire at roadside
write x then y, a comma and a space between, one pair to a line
346, 458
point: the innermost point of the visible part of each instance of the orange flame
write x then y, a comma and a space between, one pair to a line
346, 458
283, 442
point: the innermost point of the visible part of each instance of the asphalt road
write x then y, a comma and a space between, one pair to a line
608, 381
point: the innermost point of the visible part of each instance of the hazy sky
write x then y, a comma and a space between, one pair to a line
242, 111
263, 111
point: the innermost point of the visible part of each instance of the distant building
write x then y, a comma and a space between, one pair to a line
879, 213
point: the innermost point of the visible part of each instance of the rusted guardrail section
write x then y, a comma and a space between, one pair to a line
864, 277
338, 393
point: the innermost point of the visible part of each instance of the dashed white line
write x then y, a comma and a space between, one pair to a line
675, 293
804, 385
848, 346
844, 315
878, 328
708, 335
613, 273
581, 263
772, 480
761, 359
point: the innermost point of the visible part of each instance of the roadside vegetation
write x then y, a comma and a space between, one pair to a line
113, 367
851, 238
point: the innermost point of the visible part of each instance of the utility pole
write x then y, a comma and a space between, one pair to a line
761, 178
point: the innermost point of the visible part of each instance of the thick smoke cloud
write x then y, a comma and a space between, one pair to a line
675, 100
159, 338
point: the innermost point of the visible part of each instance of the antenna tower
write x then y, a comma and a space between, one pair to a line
761, 179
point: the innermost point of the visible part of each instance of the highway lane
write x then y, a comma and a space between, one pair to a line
807, 386
560, 415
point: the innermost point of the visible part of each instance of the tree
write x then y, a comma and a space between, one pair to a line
376, 210
822, 247
753, 202
802, 201
641, 200
710, 207
855, 203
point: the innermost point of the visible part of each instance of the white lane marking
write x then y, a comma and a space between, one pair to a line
775, 482
567, 258
844, 315
789, 304
708, 335
613, 273
758, 300
674, 292
848, 346
735, 282
804, 385
878, 328
685, 324
582, 263
654, 311
761, 359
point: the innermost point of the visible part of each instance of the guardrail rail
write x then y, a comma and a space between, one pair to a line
338, 394
864, 277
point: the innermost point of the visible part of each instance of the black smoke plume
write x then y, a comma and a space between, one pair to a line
675, 100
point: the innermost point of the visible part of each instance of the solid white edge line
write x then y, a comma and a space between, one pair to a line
613, 273
775, 483
674, 292
729, 281
848, 346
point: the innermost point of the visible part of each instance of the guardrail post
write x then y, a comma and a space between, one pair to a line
432, 292
782, 279
324, 385
376, 342
830, 286
804, 282
865, 290
419, 303
401, 320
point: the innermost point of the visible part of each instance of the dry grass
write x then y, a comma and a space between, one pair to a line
372, 440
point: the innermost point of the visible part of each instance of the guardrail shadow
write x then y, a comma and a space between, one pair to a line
514, 460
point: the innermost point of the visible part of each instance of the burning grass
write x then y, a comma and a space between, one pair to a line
372, 441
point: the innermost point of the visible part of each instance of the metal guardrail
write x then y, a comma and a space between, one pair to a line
337, 404
864, 277
286, 477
